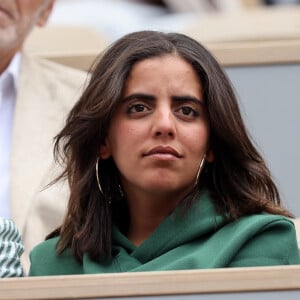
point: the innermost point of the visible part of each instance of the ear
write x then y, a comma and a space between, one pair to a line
45, 13
210, 156
105, 150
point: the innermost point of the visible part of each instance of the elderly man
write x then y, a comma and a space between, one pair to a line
35, 96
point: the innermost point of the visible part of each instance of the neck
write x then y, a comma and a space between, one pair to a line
147, 211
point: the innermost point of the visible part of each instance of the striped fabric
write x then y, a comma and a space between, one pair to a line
11, 248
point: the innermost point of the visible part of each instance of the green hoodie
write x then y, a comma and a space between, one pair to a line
198, 240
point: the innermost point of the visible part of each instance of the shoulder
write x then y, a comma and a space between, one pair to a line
58, 85
44, 260
262, 224
44, 253
271, 238
262, 221
47, 247
56, 72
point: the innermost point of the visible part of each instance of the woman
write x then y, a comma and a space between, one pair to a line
11, 249
162, 173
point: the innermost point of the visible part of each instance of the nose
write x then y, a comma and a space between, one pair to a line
164, 123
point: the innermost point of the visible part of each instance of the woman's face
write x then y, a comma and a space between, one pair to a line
159, 132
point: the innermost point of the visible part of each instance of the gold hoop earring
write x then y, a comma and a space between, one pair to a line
97, 177
200, 168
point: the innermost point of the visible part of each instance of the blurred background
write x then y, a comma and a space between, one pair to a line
256, 41
114, 18
86, 27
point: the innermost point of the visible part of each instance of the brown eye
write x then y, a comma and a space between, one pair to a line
136, 108
139, 107
188, 111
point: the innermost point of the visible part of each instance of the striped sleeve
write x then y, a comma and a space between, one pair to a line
11, 248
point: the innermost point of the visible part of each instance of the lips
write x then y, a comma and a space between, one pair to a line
163, 150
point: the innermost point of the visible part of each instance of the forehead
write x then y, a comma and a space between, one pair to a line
172, 61
166, 70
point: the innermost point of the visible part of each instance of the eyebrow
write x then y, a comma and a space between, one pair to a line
139, 96
187, 98
183, 98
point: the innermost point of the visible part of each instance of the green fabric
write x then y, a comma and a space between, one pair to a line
200, 239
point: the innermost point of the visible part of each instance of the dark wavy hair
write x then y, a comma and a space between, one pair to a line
238, 179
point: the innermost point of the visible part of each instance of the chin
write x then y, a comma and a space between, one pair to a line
163, 186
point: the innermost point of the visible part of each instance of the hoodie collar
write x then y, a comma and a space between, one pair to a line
176, 230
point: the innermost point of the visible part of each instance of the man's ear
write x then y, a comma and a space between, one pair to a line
45, 13
210, 157
105, 151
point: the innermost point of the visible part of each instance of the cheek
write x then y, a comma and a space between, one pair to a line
196, 141
124, 136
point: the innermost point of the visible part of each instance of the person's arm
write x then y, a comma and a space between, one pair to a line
11, 248
275, 244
